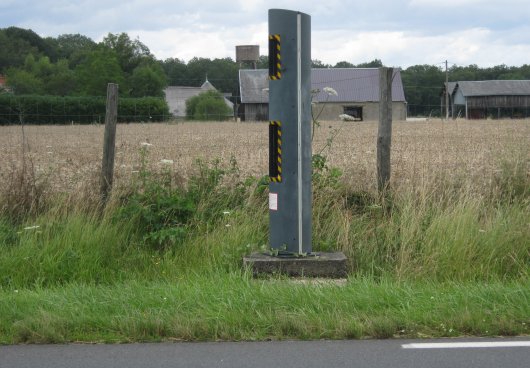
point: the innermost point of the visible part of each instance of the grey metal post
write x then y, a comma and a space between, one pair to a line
290, 131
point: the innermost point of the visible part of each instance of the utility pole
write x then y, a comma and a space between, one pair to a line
446, 92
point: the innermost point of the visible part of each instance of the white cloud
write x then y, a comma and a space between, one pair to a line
445, 3
463, 47
185, 43
402, 32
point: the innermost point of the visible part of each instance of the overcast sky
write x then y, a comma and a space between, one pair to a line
399, 32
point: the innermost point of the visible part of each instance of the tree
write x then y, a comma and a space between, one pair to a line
147, 80
376, 63
32, 39
176, 71
23, 82
70, 44
97, 70
62, 81
222, 73
319, 64
13, 51
422, 85
209, 105
263, 62
343, 64
130, 53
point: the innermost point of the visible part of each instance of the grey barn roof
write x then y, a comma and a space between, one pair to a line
494, 88
351, 84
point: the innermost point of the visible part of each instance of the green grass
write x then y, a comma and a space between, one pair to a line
233, 306
448, 261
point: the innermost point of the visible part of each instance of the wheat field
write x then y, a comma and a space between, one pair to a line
422, 152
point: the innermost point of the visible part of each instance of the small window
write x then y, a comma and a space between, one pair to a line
355, 111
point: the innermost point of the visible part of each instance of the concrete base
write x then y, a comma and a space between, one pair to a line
332, 265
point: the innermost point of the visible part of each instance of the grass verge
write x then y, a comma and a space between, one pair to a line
163, 262
232, 306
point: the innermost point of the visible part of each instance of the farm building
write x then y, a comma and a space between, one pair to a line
357, 94
488, 99
176, 97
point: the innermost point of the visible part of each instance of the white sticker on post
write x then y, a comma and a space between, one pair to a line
273, 201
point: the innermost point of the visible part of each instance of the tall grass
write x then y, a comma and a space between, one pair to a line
452, 234
163, 259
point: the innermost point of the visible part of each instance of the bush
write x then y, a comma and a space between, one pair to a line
208, 105
42, 110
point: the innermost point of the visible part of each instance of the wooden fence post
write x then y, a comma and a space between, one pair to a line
111, 117
384, 133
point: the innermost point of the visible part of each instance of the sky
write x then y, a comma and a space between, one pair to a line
401, 33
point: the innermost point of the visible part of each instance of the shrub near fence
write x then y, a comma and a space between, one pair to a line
43, 110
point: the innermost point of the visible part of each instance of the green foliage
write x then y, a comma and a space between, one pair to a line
176, 71
223, 73
158, 209
209, 105
23, 82
98, 69
17, 43
148, 80
130, 53
39, 110
219, 306
68, 45
165, 212
422, 85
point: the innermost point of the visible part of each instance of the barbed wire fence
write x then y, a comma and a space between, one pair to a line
70, 156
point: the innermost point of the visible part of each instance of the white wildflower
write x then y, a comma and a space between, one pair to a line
346, 117
330, 91
166, 162
32, 227
226, 212
145, 144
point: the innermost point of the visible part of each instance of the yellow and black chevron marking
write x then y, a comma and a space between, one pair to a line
275, 151
275, 59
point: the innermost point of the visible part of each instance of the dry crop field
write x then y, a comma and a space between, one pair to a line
70, 156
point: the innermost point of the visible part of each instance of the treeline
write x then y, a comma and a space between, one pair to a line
40, 110
75, 65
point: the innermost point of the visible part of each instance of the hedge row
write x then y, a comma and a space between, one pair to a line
39, 110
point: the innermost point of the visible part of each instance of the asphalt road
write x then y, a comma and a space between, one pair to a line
483, 353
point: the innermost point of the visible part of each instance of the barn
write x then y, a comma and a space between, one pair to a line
176, 97
493, 99
357, 94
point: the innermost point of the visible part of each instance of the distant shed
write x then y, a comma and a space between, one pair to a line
357, 94
489, 99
